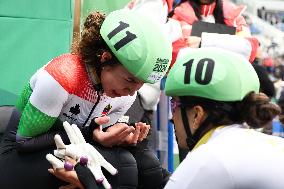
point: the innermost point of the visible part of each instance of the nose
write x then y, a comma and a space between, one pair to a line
128, 91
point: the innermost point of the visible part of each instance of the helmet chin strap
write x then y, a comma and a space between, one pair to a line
191, 142
192, 139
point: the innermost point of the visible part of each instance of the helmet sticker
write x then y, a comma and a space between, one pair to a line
128, 38
161, 65
159, 69
199, 71
155, 77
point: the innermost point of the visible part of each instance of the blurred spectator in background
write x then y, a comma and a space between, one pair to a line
279, 68
254, 29
187, 12
266, 85
278, 127
261, 13
268, 64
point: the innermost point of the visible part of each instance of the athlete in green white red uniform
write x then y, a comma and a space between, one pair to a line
115, 56
62, 90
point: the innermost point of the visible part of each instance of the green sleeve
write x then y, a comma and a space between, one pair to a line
33, 122
24, 98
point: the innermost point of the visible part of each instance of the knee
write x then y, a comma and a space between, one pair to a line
127, 168
125, 163
150, 171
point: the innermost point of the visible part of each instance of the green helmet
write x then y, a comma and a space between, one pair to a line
138, 43
212, 73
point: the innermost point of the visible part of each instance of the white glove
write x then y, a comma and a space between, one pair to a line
81, 151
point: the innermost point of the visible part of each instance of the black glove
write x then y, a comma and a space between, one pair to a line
86, 177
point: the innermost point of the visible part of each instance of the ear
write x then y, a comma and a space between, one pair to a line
199, 116
105, 56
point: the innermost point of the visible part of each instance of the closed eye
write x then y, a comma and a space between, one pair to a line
130, 80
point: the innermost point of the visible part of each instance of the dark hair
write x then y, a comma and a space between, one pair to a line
218, 11
255, 109
91, 45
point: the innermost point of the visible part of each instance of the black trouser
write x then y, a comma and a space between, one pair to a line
23, 170
151, 175
26, 171
29, 170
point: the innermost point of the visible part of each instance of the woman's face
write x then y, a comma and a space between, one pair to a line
117, 81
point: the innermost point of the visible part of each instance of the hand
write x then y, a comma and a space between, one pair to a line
118, 134
130, 139
67, 176
144, 130
193, 41
78, 149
